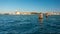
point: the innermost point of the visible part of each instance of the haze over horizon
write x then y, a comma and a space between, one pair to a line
29, 5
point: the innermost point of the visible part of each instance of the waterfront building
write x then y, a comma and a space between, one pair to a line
23, 13
53, 13
17, 13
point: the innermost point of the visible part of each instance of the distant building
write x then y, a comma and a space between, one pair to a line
34, 13
6, 13
53, 13
17, 13
23, 13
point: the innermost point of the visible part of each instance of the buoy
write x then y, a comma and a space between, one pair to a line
40, 16
46, 15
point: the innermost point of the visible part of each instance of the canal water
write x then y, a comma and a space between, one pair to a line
29, 24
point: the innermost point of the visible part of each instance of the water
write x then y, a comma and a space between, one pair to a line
29, 24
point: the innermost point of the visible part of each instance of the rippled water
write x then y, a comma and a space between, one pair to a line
29, 24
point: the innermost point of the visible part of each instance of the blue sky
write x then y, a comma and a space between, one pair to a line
29, 5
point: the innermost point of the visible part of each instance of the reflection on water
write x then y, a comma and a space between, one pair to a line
50, 25
41, 20
29, 24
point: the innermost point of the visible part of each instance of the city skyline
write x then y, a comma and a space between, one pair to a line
29, 5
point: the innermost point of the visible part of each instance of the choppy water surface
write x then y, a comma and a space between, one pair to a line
29, 24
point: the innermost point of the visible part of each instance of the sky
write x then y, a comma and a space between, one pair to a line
29, 5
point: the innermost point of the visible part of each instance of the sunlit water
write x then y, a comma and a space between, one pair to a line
29, 24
